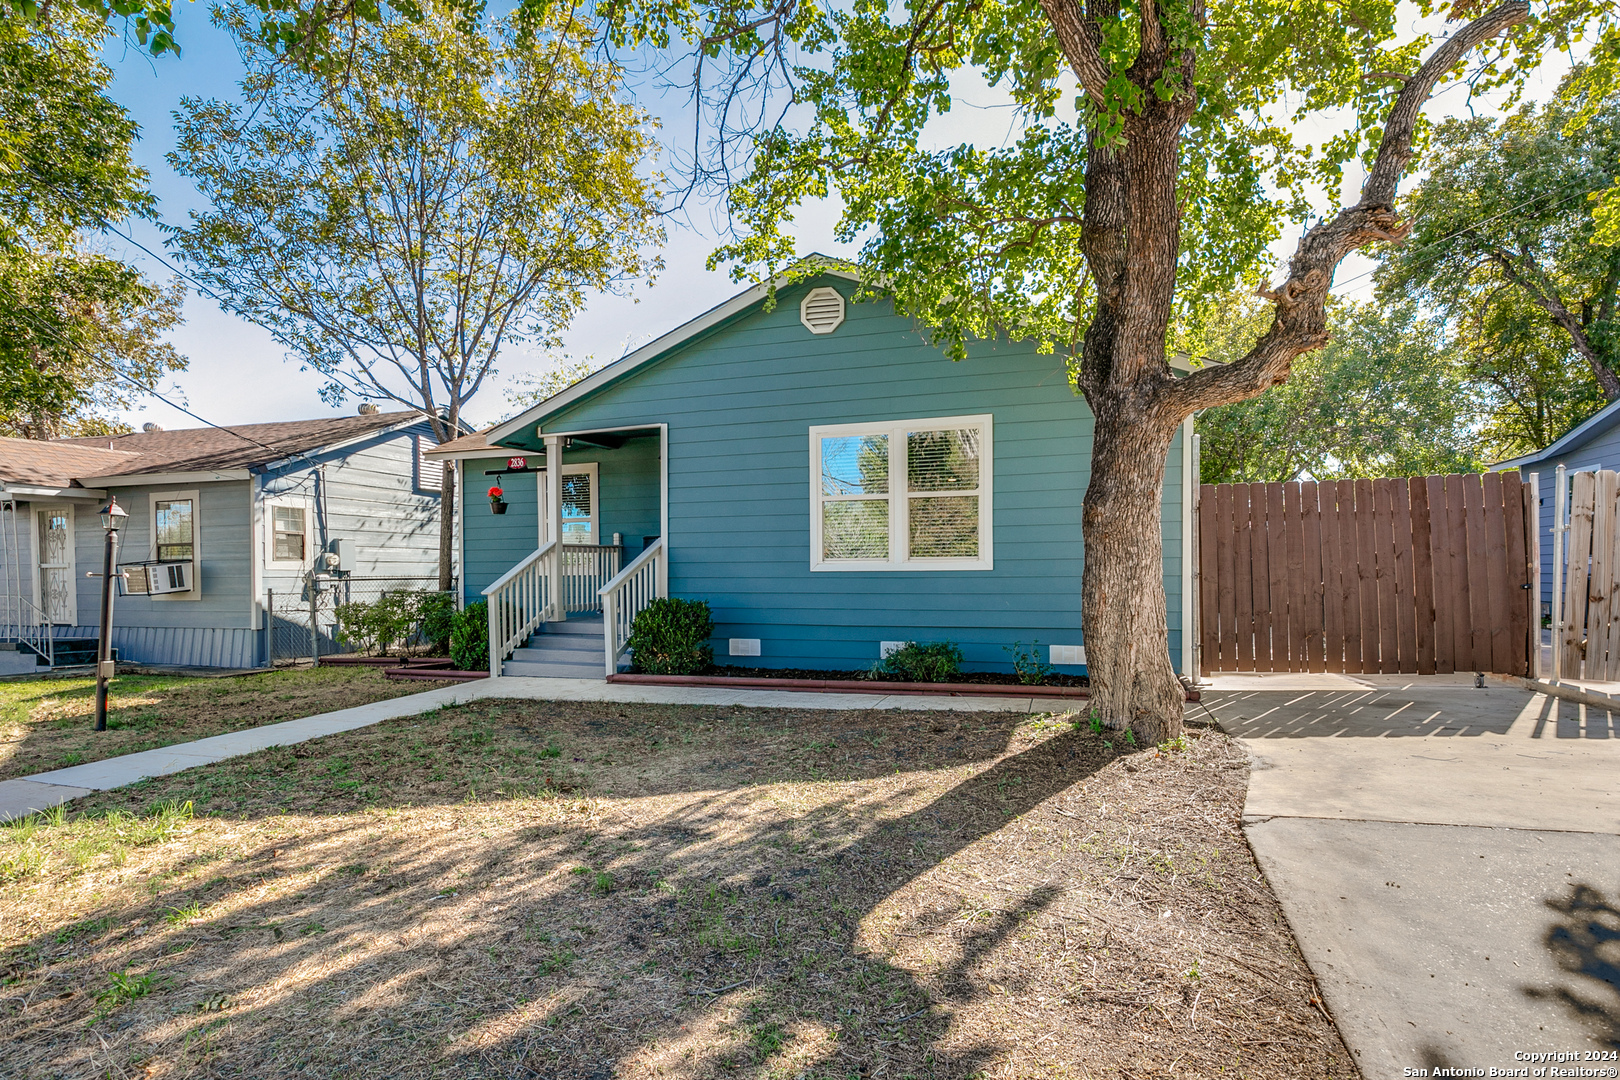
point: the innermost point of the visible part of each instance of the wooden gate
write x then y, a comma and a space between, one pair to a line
1421, 575
1589, 644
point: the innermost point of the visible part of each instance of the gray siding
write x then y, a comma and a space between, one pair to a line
739, 403
1601, 452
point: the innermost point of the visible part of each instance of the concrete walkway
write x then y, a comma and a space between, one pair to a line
1449, 860
44, 790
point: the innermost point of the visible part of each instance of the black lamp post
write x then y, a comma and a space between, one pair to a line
112, 519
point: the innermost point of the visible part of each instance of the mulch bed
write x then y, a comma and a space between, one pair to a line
590, 891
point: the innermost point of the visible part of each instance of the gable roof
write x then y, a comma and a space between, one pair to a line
60, 462
1599, 423
658, 348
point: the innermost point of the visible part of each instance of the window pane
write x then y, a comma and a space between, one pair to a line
946, 528
289, 518
174, 530
855, 465
942, 460
857, 529
290, 545
576, 532
576, 495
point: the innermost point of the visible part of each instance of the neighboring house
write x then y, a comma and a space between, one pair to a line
226, 514
1592, 444
828, 481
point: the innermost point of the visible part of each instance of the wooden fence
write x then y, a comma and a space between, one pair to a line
1420, 575
1590, 639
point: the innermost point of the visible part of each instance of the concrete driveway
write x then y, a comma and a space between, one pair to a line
1449, 859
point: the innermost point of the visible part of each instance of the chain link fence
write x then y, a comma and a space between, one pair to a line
343, 615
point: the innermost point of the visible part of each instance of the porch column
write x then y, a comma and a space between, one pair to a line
554, 520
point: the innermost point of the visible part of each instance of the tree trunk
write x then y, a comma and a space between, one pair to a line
447, 525
1122, 605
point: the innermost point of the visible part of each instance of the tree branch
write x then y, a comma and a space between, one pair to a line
1078, 39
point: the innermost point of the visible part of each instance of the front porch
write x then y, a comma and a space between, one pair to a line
595, 545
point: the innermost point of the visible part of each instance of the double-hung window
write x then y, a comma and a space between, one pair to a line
907, 495
289, 532
176, 530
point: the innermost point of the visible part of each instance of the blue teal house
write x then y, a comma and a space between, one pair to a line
826, 479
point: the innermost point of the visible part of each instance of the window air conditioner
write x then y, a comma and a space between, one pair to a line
155, 578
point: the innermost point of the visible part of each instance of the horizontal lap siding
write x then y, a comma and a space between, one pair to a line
739, 403
627, 504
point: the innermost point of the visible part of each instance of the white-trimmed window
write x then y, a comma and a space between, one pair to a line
579, 503
289, 529
177, 534
907, 495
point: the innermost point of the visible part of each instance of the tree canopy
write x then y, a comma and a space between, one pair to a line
79, 330
398, 225
1506, 231
1384, 397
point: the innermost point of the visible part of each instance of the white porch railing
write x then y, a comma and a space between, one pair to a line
519, 601
646, 579
586, 569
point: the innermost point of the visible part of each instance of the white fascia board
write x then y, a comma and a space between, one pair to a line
45, 492
204, 476
650, 351
1575, 435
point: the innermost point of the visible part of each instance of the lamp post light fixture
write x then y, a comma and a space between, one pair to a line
113, 517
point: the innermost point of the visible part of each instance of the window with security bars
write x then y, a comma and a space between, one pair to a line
909, 495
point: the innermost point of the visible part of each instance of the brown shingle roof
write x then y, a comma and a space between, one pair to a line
50, 464
240, 447
476, 441
59, 462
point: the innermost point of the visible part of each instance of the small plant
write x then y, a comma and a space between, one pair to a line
469, 638
938, 661
603, 883
73, 757
397, 617
438, 614
1193, 972
1095, 722
555, 961
123, 988
1170, 746
552, 749
1130, 738
497, 501
671, 637
1031, 669
179, 916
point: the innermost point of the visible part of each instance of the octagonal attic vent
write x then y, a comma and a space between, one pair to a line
822, 310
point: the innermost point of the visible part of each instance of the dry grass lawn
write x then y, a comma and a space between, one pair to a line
594, 891
47, 723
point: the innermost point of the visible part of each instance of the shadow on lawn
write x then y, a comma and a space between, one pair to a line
693, 925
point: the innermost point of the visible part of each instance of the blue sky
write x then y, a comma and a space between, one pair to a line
238, 373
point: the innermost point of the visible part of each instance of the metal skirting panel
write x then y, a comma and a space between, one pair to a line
187, 646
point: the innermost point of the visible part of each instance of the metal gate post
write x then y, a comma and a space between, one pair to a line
270, 625
1559, 499
314, 631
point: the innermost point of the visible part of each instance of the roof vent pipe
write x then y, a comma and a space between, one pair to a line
368, 408
150, 427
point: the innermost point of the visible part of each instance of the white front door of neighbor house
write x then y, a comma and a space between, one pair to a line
58, 598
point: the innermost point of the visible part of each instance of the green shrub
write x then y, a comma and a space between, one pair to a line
438, 614
938, 661
469, 638
1031, 669
671, 637
398, 617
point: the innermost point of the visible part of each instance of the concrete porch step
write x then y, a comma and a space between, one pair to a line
552, 669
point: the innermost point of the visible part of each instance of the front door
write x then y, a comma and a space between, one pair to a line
57, 596
579, 499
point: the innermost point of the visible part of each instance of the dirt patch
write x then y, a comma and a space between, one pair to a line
47, 723
602, 891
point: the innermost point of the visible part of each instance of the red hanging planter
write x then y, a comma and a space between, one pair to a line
496, 503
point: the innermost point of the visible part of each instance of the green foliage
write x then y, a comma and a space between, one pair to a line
1511, 243
671, 636
441, 196
1387, 396
937, 661
469, 638
398, 617
123, 988
1031, 668
76, 326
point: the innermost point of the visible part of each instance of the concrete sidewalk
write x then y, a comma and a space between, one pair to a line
44, 790
1449, 860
